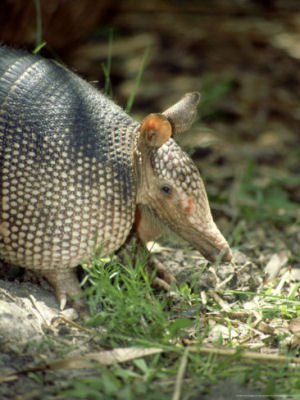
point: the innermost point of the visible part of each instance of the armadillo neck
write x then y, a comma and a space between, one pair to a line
67, 179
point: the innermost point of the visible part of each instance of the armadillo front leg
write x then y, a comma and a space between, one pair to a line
66, 287
134, 249
143, 231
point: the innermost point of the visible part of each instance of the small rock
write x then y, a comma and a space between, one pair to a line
294, 325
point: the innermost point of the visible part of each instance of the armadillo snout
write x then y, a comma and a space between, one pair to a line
212, 245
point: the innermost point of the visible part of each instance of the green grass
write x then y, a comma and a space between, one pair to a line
213, 89
107, 67
137, 80
267, 200
39, 40
134, 315
127, 302
38, 23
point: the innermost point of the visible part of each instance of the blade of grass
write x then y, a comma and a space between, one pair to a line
38, 25
137, 81
107, 67
180, 375
272, 296
38, 48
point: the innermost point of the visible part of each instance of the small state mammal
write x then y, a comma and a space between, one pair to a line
77, 172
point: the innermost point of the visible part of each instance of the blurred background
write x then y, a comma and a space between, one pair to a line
242, 55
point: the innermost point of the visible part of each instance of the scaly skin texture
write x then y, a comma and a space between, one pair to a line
78, 174
67, 178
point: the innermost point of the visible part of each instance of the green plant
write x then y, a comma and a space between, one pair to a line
266, 199
213, 90
107, 67
137, 80
39, 40
128, 303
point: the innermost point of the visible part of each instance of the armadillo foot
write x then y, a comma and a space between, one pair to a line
135, 249
163, 278
66, 287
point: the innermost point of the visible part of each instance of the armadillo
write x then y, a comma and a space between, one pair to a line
78, 173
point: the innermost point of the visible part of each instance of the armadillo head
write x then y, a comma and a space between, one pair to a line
171, 185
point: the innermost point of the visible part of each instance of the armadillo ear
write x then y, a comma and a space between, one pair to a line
182, 114
155, 130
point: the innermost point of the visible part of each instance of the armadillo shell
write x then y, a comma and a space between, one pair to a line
67, 181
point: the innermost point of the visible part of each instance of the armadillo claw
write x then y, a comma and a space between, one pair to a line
67, 288
62, 301
160, 284
162, 271
163, 277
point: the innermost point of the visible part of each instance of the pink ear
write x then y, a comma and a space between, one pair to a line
155, 130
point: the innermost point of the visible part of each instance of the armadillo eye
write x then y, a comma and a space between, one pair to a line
165, 189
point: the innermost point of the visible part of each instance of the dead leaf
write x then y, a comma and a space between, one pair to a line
107, 357
276, 262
